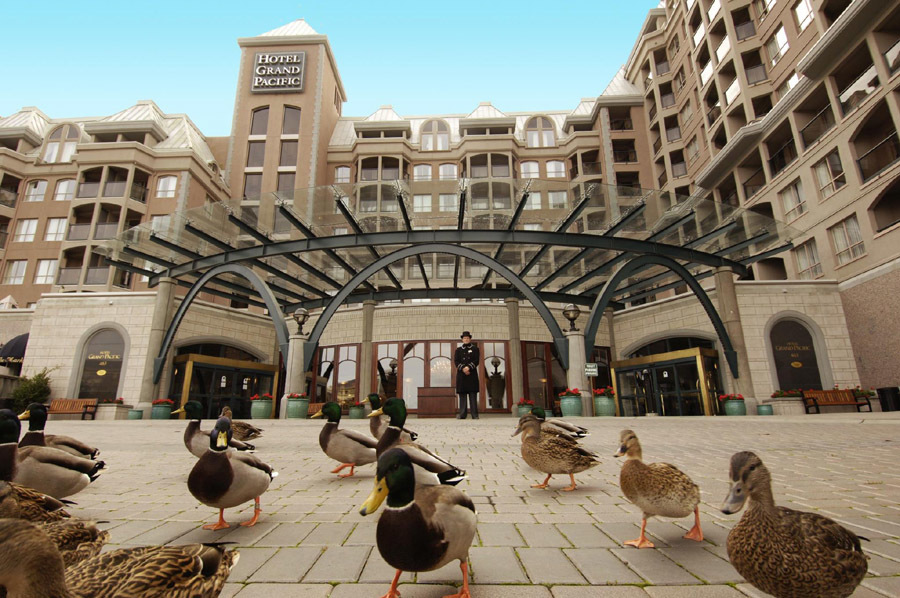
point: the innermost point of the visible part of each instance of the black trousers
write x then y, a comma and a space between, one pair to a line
473, 404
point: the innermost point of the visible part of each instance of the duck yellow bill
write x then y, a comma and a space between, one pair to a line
379, 493
376, 413
24, 415
316, 414
222, 440
179, 410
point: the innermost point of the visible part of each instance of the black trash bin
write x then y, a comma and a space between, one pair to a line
890, 398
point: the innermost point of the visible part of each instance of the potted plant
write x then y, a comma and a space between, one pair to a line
261, 406
524, 405
297, 405
356, 409
605, 402
733, 404
780, 394
112, 409
161, 409
570, 402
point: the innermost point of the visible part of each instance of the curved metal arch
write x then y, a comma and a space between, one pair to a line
281, 330
559, 339
645, 261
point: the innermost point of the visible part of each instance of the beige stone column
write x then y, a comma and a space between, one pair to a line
366, 349
295, 377
162, 314
514, 363
575, 377
731, 317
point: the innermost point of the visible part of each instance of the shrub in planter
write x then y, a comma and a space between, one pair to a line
524, 406
570, 402
34, 389
161, 409
733, 404
297, 406
356, 410
261, 406
605, 401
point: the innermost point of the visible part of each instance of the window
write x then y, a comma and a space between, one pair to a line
65, 190
15, 272
435, 136
290, 125
422, 172
687, 113
53, 154
25, 230
159, 223
56, 229
421, 203
252, 184
534, 201
445, 267
342, 174
777, 45
447, 172
539, 132
288, 154
557, 199
792, 201
46, 272
788, 85
448, 202
256, 153
259, 121
530, 170
531, 226
165, 186
830, 174
763, 7
36, 191
692, 148
286, 184
848, 243
803, 13
556, 169
808, 265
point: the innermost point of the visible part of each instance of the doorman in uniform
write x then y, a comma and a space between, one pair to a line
466, 359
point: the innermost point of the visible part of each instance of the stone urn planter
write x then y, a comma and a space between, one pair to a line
733, 404
764, 410
357, 411
135, 414
161, 409
261, 406
112, 410
604, 402
570, 402
297, 406
523, 407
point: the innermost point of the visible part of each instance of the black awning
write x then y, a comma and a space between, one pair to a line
14, 351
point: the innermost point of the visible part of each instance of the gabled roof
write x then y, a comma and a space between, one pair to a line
486, 110
621, 86
145, 116
29, 122
293, 29
383, 114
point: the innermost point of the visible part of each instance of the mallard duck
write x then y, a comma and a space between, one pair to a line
558, 426
424, 527
47, 470
430, 468
20, 502
224, 479
657, 489
76, 539
348, 447
552, 453
197, 440
36, 414
242, 430
787, 553
377, 425
30, 565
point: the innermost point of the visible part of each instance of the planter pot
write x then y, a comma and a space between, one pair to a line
524, 409
570, 406
112, 411
357, 412
298, 408
135, 414
261, 409
735, 408
161, 412
764, 410
604, 406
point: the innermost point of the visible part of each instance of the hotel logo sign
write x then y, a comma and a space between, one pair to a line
278, 72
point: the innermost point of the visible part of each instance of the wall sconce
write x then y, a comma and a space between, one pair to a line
571, 313
301, 315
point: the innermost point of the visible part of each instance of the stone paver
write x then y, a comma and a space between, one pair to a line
312, 542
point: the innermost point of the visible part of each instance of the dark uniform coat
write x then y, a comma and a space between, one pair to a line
467, 355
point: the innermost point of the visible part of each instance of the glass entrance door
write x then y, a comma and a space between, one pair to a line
675, 383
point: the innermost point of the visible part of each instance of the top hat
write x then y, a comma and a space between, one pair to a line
466, 333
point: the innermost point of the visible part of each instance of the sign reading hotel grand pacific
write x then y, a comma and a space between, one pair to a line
278, 72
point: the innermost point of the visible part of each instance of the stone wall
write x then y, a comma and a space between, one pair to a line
14, 322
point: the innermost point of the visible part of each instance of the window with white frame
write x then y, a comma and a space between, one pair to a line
56, 229
530, 170
435, 136
692, 148
777, 45
848, 242
46, 272
763, 7
539, 132
534, 201
532, 226
342, 174
556, 169
830, 174
447, 172
557, 199
446, 266
803, 13
15, 272
36, 191
686, 113
159, 223
448, 202
165, 186
25, 230
422, 172
65, 190
788, 85
808, 265
421, 203
61, 144
792, 201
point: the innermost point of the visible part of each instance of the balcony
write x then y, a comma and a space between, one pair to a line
733, 91
714, 113
667, 100
590, 168
3, 237
652, 113
892, 57
879, 157
723, 49
853, 95
7, 198
690, 4
114, 189
88, 189
706, 73
673, 134
657, 145
628, 191
624, 156
479, 172
621, 124
714, 10
754, 183
745, 30
68, 276
390, 174
368, 174
106, 230
138, 192
662, 180
730, 198
679, 169
97, 275
818, 126
786, 154
663, 68
78, 232
756, 74
698, 35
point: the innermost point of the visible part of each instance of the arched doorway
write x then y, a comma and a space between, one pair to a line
794, 353
101, 365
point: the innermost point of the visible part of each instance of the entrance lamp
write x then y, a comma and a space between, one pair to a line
571, 313
301, 315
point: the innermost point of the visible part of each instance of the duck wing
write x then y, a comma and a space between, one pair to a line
254, 462
565, 427
820, 530
244, 431
21, 502
366, 441
71, 445
76, 539
446, 472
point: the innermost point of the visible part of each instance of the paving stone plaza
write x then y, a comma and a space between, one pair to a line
312, 542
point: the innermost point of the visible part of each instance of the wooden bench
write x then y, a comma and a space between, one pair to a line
814, 399
82, 407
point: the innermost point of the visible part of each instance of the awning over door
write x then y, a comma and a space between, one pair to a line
14, 351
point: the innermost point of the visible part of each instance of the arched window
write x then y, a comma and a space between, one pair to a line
448, 172
435, 136
422, 172
61, 144
539, 132
259, 121
794, 352
886, 209
530, 170
65, 190
101, 365
556, 169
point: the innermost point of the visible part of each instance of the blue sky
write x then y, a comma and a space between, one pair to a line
93, 58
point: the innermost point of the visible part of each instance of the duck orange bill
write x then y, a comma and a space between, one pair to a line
376, 413
222, 440
25, 415
379, 493
316, 414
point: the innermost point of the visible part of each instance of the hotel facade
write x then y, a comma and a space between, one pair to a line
774, 117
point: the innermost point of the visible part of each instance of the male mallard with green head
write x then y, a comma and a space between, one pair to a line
424, 527
377, 425
197, 440
36, 414
657, 489
348, 447
787, 553
224, 479
551, 453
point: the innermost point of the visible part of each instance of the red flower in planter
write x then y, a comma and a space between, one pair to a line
168, 402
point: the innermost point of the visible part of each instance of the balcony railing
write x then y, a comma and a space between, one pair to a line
662, 180
652, 113
853, 95
818, 126
663, 68
390, 174
673, 134
3, 237
714, 113
68, 275
479, 172
731, 94
745, 30
657, 145
79, 232
730, 198
723, 48
698, 35
368, 174
879, 157
88, 189
754, 183
7, 198
756, 74
714, 10
626, 155
892, 57
106, 230
706, 73
621, 124
783, 156
97, 275
590, 168
679, 169
690, 4
114, 189
628, 191
667, 100
139, 192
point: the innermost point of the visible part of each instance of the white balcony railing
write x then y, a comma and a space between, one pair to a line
723, 48
732, 92
706, 73
690, 4
714, 10
698, 35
